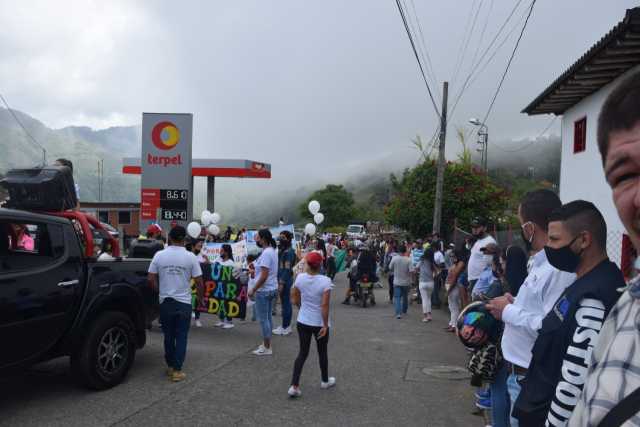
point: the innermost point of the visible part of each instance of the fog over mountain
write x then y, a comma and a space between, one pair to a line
244, 201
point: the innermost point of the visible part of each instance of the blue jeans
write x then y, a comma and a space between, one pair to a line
500, 406
401, 293
514, 390
175, 318
263, 307
285, 299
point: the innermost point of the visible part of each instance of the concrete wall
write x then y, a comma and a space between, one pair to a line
581, 175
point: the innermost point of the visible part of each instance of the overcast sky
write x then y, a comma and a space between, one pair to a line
333, 82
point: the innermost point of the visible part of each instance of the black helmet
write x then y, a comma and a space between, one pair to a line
476, 325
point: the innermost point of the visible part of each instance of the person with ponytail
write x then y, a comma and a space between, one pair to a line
266, 289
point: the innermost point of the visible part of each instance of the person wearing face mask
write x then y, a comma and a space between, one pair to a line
523, 315
478, 261
286, 261
577, 244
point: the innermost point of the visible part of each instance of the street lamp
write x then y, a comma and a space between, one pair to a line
483, 140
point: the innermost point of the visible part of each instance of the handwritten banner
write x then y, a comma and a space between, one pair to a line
239, 249
223, 293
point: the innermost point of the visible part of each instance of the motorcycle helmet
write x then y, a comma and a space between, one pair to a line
476, 326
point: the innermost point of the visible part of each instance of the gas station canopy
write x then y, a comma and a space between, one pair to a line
224, 168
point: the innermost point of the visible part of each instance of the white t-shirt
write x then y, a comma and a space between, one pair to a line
438, 258
269, 260
312, 288
175, 267
478, 261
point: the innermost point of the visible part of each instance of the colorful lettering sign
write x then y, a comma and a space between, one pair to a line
222, 293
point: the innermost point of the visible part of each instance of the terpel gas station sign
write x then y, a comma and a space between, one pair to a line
167, 186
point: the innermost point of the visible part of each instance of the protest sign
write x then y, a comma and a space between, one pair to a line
223, 294
239, 249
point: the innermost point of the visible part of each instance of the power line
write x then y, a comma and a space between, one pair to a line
466, 43
484, 30
424, 44
464, 37
421, 46
415, 52
506, 70
474, 69
15, 117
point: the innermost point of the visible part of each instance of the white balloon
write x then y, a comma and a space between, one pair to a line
216, 218
194, 229
318, 218
310, 229
214, 230
205, 214
314, 207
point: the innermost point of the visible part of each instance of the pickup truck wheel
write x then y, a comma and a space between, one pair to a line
107, 351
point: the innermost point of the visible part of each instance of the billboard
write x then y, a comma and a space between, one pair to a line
167, 185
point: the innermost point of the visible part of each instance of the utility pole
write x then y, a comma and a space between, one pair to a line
437, 209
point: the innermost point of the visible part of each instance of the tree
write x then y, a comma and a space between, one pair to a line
468, 193
336, 203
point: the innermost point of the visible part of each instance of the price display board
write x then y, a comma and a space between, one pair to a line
167, 184
174, 205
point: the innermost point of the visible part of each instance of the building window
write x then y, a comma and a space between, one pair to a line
580, 135
124, 218
103, 216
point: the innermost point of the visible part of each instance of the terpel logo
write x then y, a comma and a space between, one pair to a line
165, 135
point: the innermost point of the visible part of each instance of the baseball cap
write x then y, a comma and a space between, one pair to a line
478, 222
314, 259
154, 228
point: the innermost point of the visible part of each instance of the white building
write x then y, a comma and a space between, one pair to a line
578, 95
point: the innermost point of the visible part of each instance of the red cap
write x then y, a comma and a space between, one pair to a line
153, 229
314, 260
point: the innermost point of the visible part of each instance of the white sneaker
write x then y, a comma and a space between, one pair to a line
220, 324
286, 331
329, 384
278, 331
193, 315
294, 392
228, 325
262, 351
198, 323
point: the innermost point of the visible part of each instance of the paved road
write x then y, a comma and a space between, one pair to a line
378, 362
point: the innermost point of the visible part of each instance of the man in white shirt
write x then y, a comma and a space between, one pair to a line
478, 261
523, 315
170, 273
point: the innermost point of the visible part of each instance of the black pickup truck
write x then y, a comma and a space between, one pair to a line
57, 299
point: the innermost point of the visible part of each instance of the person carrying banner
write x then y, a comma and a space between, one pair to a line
226, 258
170, 273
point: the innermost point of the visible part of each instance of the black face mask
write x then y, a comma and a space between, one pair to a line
564, 259
197, 251
259, 244
283, 244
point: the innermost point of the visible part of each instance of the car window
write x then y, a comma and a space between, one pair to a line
29, 245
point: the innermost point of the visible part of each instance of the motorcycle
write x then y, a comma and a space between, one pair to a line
365, 291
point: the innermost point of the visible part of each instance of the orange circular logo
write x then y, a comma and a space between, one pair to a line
165, 135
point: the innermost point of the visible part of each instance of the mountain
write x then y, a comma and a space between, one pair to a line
82, 145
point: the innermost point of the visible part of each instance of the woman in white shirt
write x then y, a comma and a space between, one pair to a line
266, 288
312, 293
